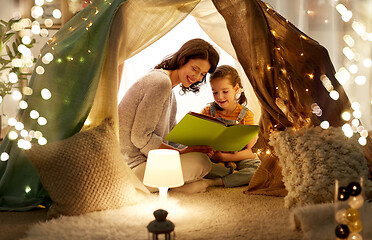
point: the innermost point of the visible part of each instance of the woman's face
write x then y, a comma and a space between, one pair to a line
193, 71
224, 93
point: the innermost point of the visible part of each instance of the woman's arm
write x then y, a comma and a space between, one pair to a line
236, 156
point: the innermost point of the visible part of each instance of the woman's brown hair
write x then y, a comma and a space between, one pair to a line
193, 49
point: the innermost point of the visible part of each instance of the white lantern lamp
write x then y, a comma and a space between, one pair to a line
163, 171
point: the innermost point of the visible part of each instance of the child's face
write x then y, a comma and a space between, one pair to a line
224, 93
193, 71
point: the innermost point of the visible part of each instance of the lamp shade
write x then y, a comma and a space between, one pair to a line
163, 169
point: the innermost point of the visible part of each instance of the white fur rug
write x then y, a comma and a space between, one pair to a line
217, 214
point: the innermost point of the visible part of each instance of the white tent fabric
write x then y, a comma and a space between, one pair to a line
131, 38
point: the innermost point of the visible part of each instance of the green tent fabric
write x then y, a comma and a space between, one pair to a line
72, 78
82, 76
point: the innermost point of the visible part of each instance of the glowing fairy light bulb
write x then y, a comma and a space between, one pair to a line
326, 83
4, 156
13, 77
34, 114
341, 8
334, 95
39, 2
355, 122
24, 50
369, 37
27, 189
17, 95
40, 70
346, 116
31, 133
16, 62
360, 129
19, 126
353, 68
360, 80
357, 114
38, 134
42, 121
27, 91
364, 133
48, 22
21, 143
25, 23
12, 122
324, 124
26, 40
35, 29
42, 141
349, 40
46, 94
12, 135
23, 104
44, 32
57, 14
355, 106
348, 131
49, 56
24, 133
348, 53
367, 62
347, 16
342, 75
359, 28
37, 11
362, 141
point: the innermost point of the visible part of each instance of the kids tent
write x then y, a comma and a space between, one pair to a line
283, 65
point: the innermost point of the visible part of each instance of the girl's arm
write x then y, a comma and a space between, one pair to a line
236, 156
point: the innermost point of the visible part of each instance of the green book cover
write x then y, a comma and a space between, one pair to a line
197, 129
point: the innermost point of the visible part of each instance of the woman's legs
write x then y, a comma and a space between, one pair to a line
195, 166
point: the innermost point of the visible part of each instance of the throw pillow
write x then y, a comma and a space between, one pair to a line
85, 173
311, 160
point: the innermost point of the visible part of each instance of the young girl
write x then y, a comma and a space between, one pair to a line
147, 112
238, 167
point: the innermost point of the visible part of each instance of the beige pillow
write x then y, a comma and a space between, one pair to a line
86, 173
311, 160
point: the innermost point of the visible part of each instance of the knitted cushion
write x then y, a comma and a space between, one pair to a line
311, 160
85, 172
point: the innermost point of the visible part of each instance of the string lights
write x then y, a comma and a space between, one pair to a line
344, 75
28, 30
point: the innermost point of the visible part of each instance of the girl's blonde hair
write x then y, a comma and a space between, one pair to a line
226, 71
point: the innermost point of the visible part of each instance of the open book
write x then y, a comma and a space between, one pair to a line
198, 129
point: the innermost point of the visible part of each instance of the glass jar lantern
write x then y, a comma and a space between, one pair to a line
161, 228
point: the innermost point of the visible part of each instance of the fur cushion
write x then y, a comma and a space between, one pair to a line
311, 160
85, 172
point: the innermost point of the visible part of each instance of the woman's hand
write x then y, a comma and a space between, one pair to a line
218, 156
203, 149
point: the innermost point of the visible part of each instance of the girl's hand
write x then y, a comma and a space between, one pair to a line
203, 149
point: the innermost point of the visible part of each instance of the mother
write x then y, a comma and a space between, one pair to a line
147, 112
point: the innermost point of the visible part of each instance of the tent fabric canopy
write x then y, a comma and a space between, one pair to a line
83, 77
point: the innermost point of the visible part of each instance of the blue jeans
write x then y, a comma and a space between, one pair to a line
242, 176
